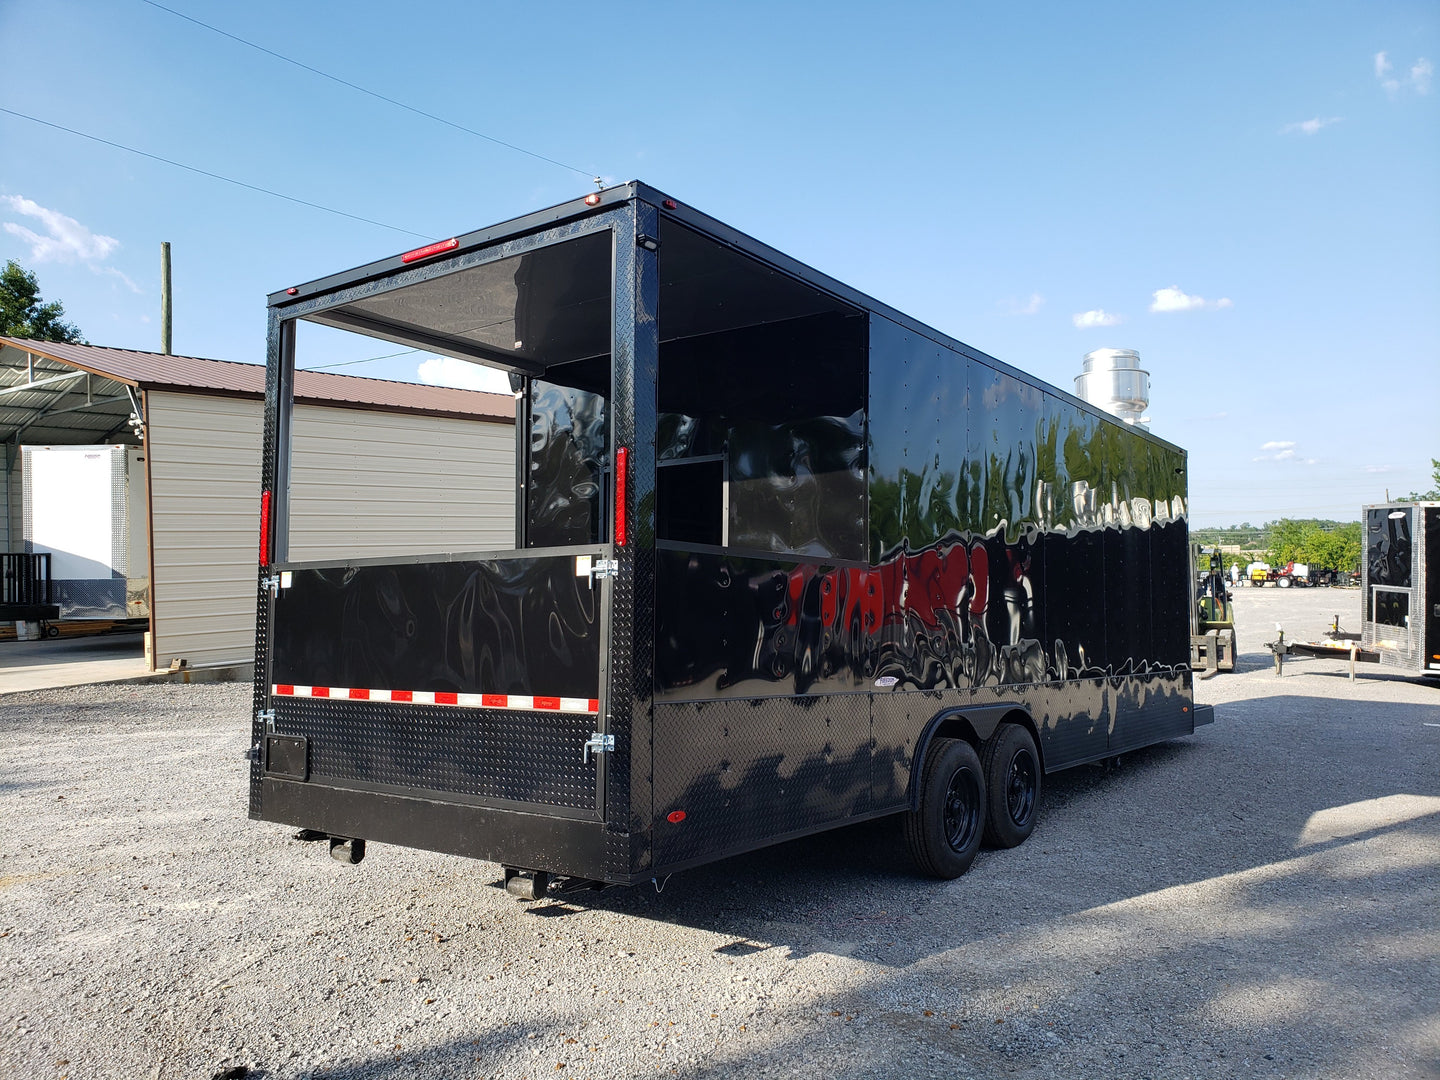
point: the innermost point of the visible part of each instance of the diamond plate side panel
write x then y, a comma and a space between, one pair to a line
279, 371
527, 757
745, 772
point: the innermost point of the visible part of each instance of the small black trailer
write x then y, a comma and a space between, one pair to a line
1400, 584
784, 559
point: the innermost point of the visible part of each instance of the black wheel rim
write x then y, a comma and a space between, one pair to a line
962, 810
1020, 787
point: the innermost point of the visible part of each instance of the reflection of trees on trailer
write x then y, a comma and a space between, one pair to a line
784, 559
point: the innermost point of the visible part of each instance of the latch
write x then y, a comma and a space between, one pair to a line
266, 717
603, 568
598, 744
276, 581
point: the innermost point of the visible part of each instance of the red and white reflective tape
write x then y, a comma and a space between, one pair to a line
442, 697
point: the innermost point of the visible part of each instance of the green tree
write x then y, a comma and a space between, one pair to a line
1434, 493
23, 315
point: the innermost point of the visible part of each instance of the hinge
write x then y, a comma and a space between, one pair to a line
648, 242
266, 717
253, 754
598, 743
603, 568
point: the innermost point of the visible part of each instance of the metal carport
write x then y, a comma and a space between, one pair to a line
382, 466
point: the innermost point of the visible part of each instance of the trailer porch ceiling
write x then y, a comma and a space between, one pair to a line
522, 313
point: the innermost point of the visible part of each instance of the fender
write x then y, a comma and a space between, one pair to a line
982, 720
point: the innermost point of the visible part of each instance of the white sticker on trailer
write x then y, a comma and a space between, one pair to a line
582, 565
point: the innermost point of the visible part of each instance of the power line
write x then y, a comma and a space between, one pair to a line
213, 175
372, 93
367, 360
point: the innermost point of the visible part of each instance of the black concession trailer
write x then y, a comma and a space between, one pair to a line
783, 559
1400, 583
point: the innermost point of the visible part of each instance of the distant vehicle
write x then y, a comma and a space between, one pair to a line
1400, 575
1258, 573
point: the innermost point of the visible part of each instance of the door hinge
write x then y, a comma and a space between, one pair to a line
603, 568
648, 242
598, 743
253, 754
266, 717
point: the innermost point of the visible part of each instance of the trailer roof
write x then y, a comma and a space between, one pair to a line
609, 199
121, 368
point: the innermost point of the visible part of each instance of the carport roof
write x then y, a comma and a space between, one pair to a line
72, 408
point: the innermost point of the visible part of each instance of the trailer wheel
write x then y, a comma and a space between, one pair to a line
349, 852
944, 834
1013, 781
1284, 583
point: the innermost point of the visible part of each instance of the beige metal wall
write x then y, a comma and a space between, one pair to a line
205, 511
373, 484
363, 484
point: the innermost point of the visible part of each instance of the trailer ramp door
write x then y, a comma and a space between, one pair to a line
475, 680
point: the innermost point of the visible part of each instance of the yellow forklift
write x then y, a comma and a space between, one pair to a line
1212, 619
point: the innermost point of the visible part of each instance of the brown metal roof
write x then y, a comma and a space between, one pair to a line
194, 374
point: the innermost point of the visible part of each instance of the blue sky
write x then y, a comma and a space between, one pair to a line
1247, 194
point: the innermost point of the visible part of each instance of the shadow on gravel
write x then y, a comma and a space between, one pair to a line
1172, 814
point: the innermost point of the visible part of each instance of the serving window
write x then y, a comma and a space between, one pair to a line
761, 433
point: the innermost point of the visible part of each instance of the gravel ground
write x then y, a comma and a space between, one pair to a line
1259, 900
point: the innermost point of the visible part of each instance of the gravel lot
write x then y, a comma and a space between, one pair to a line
1257, 900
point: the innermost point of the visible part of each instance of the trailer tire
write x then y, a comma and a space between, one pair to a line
1013, 781
944, 832
1284, 582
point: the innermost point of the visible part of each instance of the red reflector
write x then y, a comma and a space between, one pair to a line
593, 199
670, 204
675, 817
430, 249
621, 470
265, 528
446, 697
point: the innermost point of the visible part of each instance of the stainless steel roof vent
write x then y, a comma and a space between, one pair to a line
1113, 380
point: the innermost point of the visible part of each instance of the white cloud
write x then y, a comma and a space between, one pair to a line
1310, 127
1420, 75
1417, 78
1012, 306
1173, 299
67, 241
1099, 317
1377, 468
462, 375
1282, 450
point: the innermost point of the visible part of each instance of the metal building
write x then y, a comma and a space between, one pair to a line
381, 469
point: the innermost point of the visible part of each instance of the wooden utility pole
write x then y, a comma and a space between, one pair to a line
165, 340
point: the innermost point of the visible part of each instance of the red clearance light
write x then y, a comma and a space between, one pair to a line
291, 291
670, 204
621, 470
675, 817
265, 528
437, 248
593, 199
